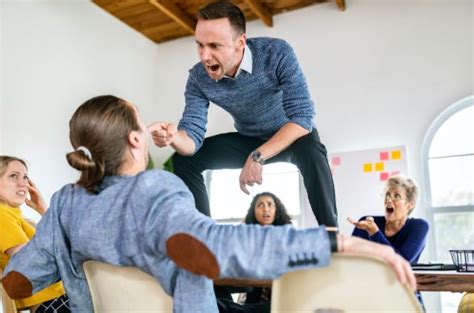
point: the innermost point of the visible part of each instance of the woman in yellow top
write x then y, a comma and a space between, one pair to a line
15, 231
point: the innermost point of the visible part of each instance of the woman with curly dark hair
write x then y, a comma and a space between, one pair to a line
267, 209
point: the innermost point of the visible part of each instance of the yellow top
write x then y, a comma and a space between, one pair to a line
14, 231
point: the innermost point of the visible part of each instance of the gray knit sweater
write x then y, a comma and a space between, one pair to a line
260, 102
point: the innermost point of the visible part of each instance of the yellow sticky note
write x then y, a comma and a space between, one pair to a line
367, 167
379, 166
396, 155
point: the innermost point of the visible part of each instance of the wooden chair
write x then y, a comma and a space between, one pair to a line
124, 289
8, 304
351, 284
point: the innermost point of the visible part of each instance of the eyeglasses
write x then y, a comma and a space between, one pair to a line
395, 198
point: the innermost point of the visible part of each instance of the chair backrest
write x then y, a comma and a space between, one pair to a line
350, 284
8, 304
124, 289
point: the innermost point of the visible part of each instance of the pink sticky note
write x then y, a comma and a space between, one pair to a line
384, 155
393, 173
383, 176
336, 161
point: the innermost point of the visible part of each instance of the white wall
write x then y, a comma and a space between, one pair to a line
56, 55
379, 72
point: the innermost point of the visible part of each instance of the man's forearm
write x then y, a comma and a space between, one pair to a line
282, 139
183, 144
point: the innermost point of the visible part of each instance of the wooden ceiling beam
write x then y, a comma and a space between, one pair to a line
175, 13
341, 4
260, 11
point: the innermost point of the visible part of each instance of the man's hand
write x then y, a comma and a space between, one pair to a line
358, 246
251, 173
163, 134
36, 201
368, 225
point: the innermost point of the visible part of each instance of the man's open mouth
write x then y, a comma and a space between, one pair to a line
213, 68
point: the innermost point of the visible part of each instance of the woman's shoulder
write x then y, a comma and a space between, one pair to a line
12, 220
418, 222
415, 226
7, 212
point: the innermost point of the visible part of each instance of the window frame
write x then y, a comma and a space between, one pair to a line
298, 218
431, 210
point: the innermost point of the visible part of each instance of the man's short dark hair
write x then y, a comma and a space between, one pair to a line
224, 9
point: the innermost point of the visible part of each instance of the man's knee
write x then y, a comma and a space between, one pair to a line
309, 146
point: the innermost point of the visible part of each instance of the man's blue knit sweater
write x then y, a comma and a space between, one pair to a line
260, 102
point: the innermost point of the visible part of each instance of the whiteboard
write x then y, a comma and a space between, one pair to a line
359, 179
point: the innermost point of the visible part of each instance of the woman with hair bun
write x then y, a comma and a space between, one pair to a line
265, 209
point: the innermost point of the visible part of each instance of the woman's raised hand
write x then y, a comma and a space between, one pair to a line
36, 201
368, 224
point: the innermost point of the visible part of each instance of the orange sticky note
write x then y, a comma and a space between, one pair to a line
379, 166
367, 167
396, 155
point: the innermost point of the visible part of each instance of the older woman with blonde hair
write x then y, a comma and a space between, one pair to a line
406, 235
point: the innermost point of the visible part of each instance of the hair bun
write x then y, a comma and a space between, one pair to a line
80, 161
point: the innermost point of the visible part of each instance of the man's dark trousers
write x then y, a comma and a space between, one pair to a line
230, 151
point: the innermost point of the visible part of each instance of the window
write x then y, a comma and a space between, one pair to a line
229, 204
448, 170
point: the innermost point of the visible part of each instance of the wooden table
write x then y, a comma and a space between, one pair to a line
243, 282
427, 281
445, 281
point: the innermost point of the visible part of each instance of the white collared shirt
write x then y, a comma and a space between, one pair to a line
245, 65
